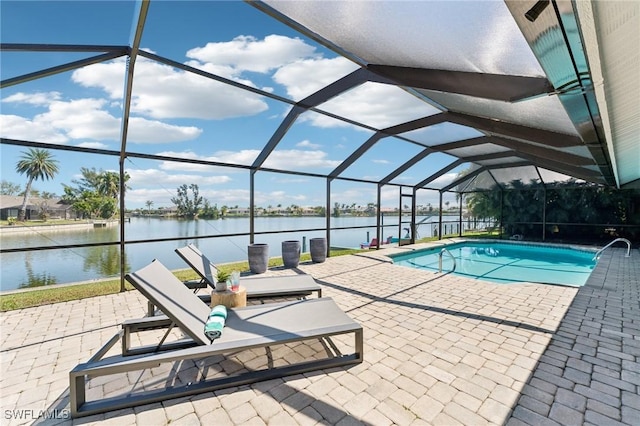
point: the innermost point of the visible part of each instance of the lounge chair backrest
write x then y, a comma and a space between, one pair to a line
174, 299
199, 263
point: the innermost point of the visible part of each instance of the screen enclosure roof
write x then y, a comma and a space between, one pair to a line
495, 91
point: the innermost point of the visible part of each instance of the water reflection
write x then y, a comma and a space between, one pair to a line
35, 279
104, 260
55, 266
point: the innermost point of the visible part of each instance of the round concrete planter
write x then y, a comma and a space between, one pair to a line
291, 253
258, 258
318, 248
221, 286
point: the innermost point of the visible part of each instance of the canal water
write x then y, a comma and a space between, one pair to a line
59, 266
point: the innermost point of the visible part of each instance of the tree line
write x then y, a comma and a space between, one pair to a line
522, 209
571, 210
190, 205
94, 195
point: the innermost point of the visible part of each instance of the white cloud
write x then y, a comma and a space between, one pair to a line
82, 119
444, 180
159, 187
247, 53
228, 197
243, 157
138, 197
95, 145
108, 76
161, 91
389, 195
284, 198
38, 98
15, 127
170, 181
305, 77
308, 144
380, 161
174, 94
374, 104
360, 195
300, 160
279, 159
162, 198
142, 130
87, 119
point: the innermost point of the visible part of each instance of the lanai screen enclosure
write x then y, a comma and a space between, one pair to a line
404, 97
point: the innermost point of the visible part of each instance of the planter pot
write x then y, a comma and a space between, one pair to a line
258, 258
318, 247
291, 253
221, 286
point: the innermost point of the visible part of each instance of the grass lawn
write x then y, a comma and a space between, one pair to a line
46, 296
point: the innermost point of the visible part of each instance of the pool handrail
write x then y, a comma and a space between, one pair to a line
612, 243
440, 260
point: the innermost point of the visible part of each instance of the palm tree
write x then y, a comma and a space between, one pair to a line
108, 184
37, 164
148, 203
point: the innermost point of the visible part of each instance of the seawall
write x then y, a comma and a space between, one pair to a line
16, 229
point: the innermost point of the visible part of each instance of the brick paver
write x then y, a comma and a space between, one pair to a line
439, 349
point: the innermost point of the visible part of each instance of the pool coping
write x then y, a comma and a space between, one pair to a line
388, 253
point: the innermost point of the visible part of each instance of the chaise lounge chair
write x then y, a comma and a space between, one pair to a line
257, 287
251, 327
374, 243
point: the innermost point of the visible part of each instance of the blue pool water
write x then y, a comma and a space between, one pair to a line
507, 262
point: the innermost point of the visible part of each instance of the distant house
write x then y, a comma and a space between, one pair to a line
55, 209
308, 211
167, 211
238, 212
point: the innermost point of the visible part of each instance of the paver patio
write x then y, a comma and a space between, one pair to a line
439, 349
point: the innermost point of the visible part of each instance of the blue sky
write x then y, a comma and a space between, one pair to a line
184, 115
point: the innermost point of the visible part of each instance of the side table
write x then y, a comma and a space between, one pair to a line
230, 299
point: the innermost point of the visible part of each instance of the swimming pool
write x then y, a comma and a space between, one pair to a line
504, 262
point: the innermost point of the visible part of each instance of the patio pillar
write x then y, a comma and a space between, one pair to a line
327, 216
123, 263
379, 230
440, 218
252, 201
414, 226
544, 213
460, 216
501, 210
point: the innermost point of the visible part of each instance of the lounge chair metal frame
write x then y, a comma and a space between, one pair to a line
246, 328
258, 287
